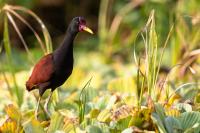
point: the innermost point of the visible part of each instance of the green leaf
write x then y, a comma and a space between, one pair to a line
183, 107
11, 126
123, 123
136, 121
104, 116
157, 120
160, 111
128, 130
13, 112
33, 126
125, 84
173, 125
93, 129
134, 129
189, 120
56, 122
111, 102
94, 113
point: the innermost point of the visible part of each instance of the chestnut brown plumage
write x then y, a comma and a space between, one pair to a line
53, 69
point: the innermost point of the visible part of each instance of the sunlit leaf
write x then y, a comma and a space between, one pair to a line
160, 111
11, 126
189, 120
126, 84
94, 113
173, 125
33, 126
134, 129
56, 122
93, 129
123, 123
183, 107
156, 119
121, 112
70, 124
172, 99
104, 116
172, 112
113, 99
140, 116
13, 112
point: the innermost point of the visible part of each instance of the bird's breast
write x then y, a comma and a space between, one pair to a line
62, 72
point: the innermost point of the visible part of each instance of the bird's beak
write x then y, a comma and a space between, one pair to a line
85, 28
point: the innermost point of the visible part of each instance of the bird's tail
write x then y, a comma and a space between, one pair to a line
30, 86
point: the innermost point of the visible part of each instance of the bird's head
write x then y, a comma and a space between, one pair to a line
78, 24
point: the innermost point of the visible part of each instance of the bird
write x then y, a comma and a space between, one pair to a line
53, 69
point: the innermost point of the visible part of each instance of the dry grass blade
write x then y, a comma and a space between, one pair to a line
29, 26
20, 36
163, 50
47, 37
195, 52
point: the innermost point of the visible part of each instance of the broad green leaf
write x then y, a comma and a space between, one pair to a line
157, 120
93, 129
136, 121
126, 84
111, 102
183, 107
160, 111
68, 127
197, 98
104, 116
189, 120
172, 112
94, 113
187, 90
56, 122
101, 102
70, 124
33, 126
173, 125
194, 129
123, 123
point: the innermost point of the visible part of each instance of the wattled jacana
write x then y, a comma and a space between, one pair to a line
53, 69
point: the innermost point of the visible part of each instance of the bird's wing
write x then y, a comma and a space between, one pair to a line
42, 72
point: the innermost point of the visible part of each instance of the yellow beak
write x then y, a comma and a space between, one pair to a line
85, 28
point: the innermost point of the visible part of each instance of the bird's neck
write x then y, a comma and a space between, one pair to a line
65, 50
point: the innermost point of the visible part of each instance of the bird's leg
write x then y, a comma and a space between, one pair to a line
46, 104
37, 107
